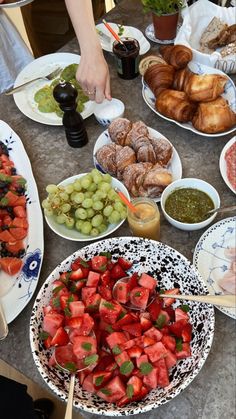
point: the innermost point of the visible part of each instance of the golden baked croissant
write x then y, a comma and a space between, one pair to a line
163, 150
181, 78
159, 77
176, 55
106, 158
175, 105
205, 88
125, 156
213, 117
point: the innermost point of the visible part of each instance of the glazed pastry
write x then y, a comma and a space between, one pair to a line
175, 105
159, 77
156, 180
176, 55
118, 130
125, 156
143, 149
133, 176
148, 61
106, 158
163, 150
205, 88
181, 78
213, 117
138, 128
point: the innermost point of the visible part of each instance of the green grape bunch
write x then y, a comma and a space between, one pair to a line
89, 204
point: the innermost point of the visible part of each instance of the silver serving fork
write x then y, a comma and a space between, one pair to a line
50, 76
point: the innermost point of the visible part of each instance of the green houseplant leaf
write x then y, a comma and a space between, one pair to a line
162, 7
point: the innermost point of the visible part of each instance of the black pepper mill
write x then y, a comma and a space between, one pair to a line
65, 94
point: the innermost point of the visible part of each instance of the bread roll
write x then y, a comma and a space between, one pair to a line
213, 31
175, 105
205, 88
148, 61
176, 55
213, 117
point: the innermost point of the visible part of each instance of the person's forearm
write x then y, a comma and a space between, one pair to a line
81, 14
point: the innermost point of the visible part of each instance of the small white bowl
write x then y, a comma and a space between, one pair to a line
194, 184
109, 110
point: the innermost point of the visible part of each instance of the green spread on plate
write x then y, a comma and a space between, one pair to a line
44, 96
188, 205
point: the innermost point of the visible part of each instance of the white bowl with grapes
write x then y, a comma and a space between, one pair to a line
85, 207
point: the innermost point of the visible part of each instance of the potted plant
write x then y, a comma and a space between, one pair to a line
165, 14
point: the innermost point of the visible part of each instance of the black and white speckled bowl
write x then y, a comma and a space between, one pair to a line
174, 270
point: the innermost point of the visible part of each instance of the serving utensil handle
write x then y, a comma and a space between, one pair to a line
69, 407
217, 300
3, 324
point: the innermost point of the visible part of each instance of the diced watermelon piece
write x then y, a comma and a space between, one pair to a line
153, 333
150, 380
122, 357
148, 341
84, 346
147, 281
114, 390
15, 247
52, 322
18, 233
20, 222
100, 378
185, 351
116, 338
134, 329
20, 211
6, 236
136, 384
117, 272
76, 308
121, 292
93, 279
143, 359
92, 302
109, 311
145, 321
162, 376
156, 351
139, 297
88, 384
87, 292
169, 342
180, 315
170, 359
105, 292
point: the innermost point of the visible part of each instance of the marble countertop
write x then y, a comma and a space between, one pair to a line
211, 394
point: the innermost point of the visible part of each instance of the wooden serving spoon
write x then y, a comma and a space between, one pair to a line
216, 300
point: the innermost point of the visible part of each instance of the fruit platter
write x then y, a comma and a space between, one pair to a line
125, 358
20, 217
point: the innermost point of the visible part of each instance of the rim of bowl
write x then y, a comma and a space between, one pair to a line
120, 108
185, 182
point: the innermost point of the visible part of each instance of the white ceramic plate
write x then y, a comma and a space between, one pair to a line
149, 32
175, 165
210, 259
24, 99
18, 3
223, 168
171, 267
75, 235
129, 31
229, 94
16, 291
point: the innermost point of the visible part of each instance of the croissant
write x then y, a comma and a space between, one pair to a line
138, 128
145, 179
125, 156
159, 77
213, 117
106, 158
205, 88
163, 150
118, 130
176, 55
175, 105
181, 78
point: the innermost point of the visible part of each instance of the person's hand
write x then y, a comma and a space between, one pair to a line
93, 76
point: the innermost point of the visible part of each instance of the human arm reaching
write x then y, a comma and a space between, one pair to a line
93, 72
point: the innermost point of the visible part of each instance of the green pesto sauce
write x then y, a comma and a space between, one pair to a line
188, 205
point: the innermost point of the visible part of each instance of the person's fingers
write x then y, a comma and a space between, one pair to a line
99, 96
108, 89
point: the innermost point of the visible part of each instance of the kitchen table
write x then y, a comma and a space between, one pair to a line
211, 394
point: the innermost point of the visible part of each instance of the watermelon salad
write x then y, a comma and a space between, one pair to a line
13, 215
126, 353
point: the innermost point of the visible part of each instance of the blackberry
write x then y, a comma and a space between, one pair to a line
13, 171
3, 149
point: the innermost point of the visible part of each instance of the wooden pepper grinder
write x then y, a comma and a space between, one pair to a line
65, 94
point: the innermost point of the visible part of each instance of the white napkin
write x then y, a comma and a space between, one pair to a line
14, 54
195, 20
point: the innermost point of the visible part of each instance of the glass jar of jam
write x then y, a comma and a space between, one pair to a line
127, 58
145, 221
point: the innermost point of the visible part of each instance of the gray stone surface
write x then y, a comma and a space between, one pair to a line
211, 394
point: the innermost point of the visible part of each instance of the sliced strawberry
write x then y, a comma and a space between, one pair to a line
105, 292
185, 352
169, 301
11, 265
135, 351
154, 309
117, 272
20, 222
113, 391
75, 275
177, 327
187, 333
18, 233
134, 329
180, 314
105, 278
6, 236
99, 263
60, 338
100, 378
124, 263
169, 342
133, 281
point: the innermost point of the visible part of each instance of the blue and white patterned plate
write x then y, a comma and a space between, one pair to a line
16, 291
197, 68
210, 258
172, 270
